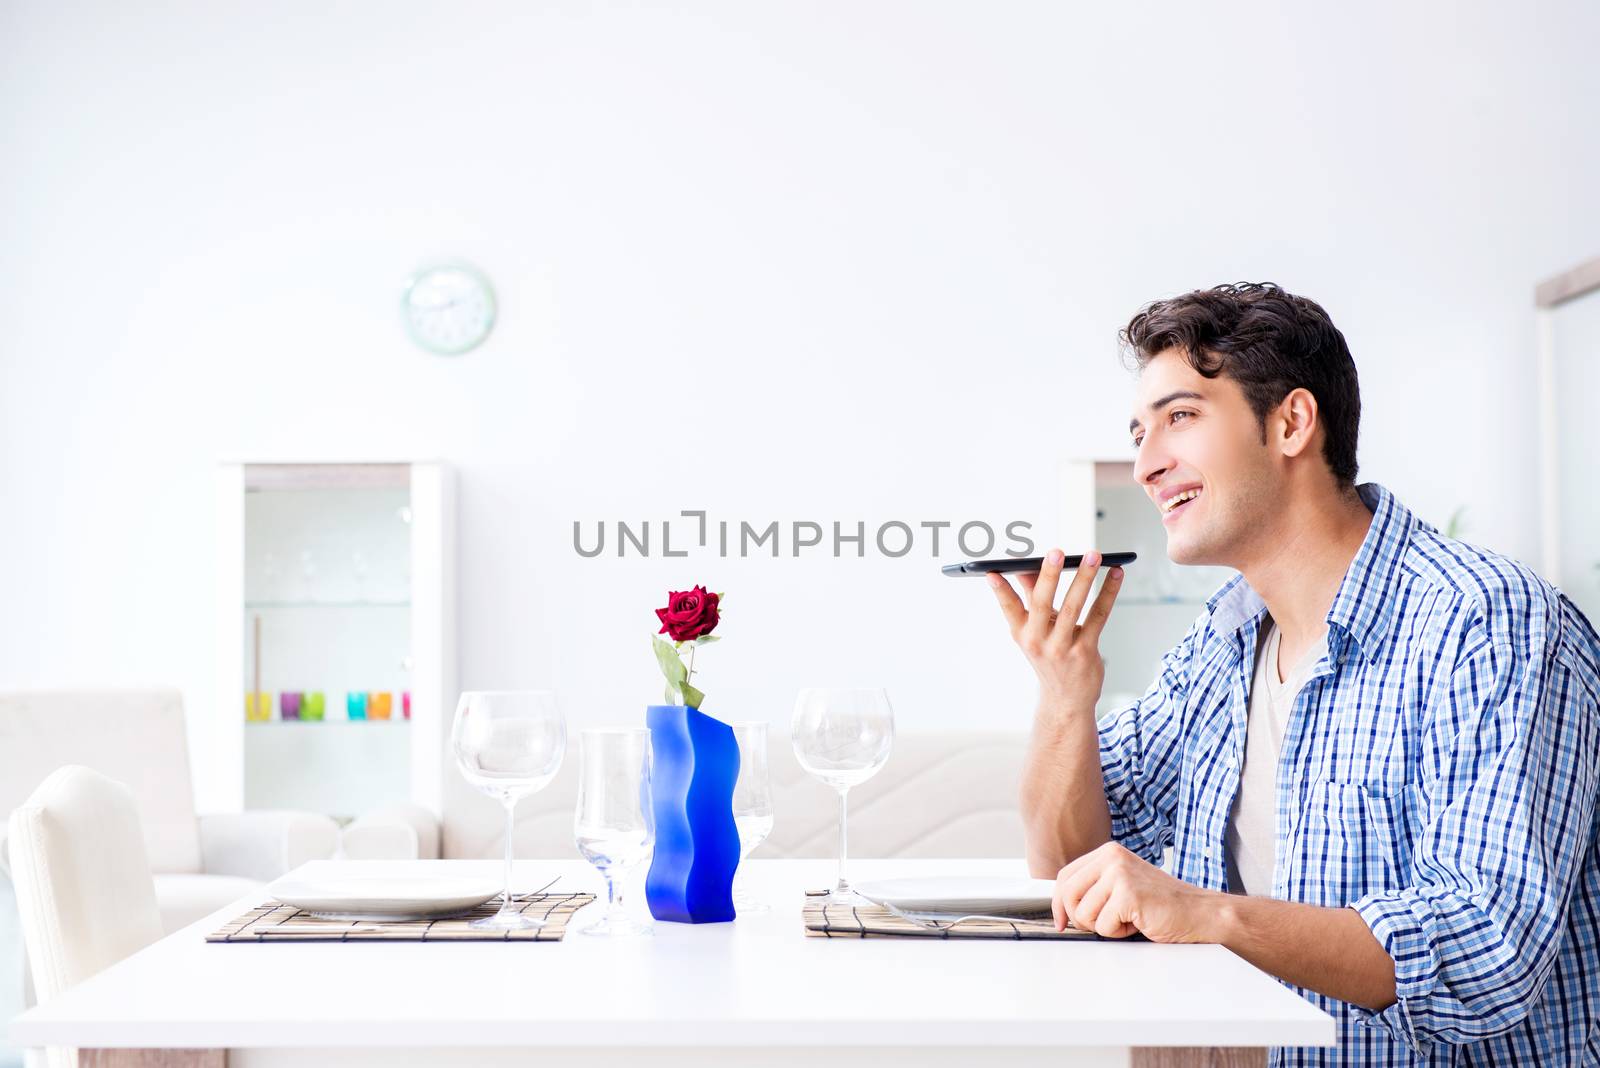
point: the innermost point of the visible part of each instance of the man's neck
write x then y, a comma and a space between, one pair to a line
1311, 551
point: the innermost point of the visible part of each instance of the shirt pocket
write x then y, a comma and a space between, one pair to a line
1355, 839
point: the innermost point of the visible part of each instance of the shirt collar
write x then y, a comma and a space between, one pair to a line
1363, 606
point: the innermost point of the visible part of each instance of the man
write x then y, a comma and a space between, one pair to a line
1376, 753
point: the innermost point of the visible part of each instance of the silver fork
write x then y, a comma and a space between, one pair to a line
535, 893
943, 921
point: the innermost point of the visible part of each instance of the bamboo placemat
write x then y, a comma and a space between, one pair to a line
874, 921
274, 922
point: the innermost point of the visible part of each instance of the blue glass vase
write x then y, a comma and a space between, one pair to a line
695, 761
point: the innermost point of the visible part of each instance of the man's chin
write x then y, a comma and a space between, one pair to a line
1187, 554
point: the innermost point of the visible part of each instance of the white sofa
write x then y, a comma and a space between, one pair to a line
137, 737
942, 794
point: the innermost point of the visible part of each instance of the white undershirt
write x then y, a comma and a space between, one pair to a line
1253, 822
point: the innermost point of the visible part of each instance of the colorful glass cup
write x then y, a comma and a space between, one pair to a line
289, 704
314, 705
380, 704
258, 706
355, 705
405, 703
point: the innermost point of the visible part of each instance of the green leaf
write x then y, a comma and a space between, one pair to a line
671, 666
706, 638
672, 696
692, 697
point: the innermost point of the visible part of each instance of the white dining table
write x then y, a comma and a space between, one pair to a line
755, 991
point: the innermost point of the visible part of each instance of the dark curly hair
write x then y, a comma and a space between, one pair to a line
1268, 341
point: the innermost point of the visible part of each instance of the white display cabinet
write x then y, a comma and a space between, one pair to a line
336, 648
1569, 379
1104, 508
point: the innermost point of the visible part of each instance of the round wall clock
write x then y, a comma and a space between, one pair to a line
448, 309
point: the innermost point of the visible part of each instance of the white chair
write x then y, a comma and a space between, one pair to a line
83, 883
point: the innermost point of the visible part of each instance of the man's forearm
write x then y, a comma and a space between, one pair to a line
1063, 798
1329, 950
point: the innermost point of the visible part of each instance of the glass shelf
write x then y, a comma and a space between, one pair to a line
327, 609
402, 721
254, 605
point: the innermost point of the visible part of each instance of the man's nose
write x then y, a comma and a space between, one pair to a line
1149, 465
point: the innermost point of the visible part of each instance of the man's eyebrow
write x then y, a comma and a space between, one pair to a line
1182, 394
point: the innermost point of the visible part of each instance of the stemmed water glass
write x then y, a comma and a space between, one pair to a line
752, 806
509, 744
843, 737
614, 826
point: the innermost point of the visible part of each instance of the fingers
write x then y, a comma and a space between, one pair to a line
1027, 579
1110, 919
1100, 611
1032, 617
1093, 894
1010, 604
1077, 593
1087, 913
1042, 595
1092, 859
1072, 883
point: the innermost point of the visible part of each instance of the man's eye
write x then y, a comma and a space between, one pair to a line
1173, 415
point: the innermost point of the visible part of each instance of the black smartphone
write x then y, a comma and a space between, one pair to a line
1031, 563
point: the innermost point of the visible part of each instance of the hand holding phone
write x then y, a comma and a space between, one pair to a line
1063, 653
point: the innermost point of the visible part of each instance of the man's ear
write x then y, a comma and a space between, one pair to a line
1296, 422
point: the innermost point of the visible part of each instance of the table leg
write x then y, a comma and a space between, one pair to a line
152, 1058
1199, 1057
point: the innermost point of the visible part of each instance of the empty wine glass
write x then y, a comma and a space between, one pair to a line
508, 744
614, 826
752, 806
842, 737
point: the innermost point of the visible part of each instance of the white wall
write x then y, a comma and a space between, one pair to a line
758, 259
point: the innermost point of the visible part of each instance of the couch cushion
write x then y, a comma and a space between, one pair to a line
136, 737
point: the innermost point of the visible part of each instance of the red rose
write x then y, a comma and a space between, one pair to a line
688, 615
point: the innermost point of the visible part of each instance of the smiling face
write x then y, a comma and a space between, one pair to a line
1194, 433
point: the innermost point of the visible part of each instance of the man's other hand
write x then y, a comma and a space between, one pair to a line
1113, 892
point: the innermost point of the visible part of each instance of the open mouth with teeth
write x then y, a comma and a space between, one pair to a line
1177, 503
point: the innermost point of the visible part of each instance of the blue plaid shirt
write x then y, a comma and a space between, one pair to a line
1439, 774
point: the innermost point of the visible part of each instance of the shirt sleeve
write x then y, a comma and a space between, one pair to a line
1509, 775
1140, 755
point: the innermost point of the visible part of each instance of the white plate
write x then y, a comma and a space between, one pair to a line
375, 897
963, 895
